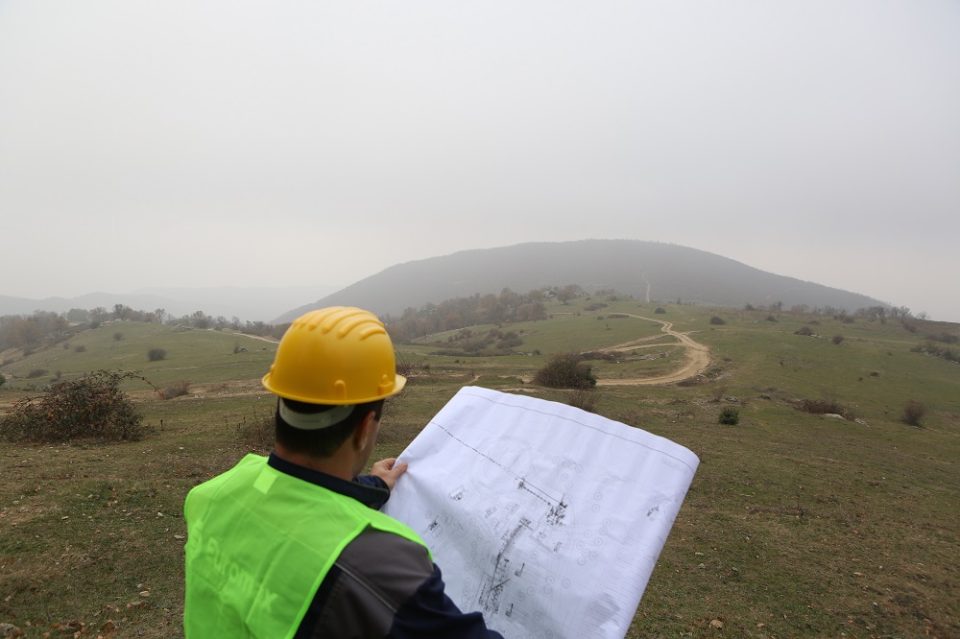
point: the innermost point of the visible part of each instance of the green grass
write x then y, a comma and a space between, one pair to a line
796, 525
198, 356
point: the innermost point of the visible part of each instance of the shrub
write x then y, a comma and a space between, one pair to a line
824, 407
729, 415
175, 390
804, 330
717, 320
660, 310
92, 406
913, 412
837, 339
3, 380
156, 354
771, 318
565, 370
584, 399
37, 372
80, 349
117, 336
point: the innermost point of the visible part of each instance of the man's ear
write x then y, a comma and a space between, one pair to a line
366, 431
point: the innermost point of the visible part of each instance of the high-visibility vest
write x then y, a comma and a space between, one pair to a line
259, 544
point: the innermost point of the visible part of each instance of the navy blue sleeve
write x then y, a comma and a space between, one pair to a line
430, 613
371, 480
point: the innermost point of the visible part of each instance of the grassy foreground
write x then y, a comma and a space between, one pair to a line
796, 525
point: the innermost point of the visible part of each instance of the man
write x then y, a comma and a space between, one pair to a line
294, 545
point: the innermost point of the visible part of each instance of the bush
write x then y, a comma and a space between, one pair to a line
837, 339
80, 349
717, 320
730, 416
156, 354
660, 310
584, 399
176, 390
117, 336
771, 318
824, 407
565, 370
804, 330
92, 406
913, 412
3, 380
37, 372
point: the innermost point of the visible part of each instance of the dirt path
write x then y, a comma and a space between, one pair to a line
697, 357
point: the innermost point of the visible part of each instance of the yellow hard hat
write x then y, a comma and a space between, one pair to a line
335, 355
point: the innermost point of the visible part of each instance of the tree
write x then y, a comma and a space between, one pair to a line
565, 370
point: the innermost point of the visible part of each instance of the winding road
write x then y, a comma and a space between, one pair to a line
697, 357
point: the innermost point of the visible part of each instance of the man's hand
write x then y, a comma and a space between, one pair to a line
388, 470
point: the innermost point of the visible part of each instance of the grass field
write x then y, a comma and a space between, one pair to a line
796, 525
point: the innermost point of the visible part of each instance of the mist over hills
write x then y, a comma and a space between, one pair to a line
246, 303
647, 270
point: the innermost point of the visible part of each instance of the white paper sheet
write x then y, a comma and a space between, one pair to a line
546, 518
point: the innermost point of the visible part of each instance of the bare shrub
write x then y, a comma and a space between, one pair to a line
824, 407
806, 331
156, 354
565, 370
660, 310
37, 372
717, 320
176, 389
90, 407
913, 412
584, 399
837, 339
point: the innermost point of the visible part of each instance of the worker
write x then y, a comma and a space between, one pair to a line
294, 545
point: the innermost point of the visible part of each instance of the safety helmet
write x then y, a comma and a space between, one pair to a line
337, 355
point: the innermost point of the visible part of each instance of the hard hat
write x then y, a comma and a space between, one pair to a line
336, 355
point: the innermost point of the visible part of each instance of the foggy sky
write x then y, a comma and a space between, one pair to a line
287, 143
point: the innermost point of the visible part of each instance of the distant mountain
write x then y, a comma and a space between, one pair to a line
647, 270
247, 303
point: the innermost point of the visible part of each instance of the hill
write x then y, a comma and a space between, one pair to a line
646, 270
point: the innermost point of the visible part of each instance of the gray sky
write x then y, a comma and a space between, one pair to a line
186, 143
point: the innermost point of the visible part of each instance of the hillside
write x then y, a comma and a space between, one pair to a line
646, 270
797, 524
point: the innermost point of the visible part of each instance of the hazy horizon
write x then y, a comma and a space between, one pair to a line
283, 145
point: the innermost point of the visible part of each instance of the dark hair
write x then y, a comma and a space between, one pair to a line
325, 441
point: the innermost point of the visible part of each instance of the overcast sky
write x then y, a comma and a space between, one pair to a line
212, 143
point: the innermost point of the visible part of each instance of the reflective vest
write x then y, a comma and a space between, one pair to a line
259, 544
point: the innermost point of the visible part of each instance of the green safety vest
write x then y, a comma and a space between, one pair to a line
259, 544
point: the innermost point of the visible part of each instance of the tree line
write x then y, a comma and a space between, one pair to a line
42, 328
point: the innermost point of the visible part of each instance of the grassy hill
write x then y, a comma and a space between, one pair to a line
796, 525
194, 355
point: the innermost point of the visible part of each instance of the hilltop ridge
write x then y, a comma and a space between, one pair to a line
646, 270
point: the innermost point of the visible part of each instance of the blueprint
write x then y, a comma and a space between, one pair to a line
546, 518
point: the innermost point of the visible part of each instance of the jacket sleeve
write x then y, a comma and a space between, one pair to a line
383, 585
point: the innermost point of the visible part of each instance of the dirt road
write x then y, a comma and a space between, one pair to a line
696, 357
